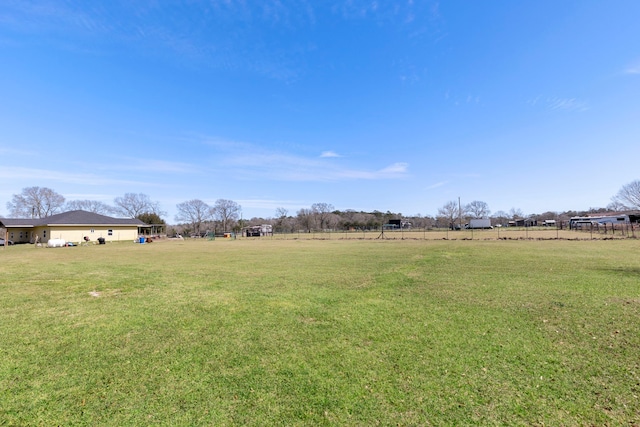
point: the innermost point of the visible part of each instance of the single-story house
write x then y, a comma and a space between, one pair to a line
72, 226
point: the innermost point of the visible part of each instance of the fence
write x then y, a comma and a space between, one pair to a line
619, 231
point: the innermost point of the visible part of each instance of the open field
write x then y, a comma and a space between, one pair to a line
322, 332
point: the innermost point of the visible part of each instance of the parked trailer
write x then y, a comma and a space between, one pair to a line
478, 223
585, 221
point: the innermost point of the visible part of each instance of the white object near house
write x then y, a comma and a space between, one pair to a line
56, 243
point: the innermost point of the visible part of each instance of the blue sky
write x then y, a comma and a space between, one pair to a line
366, 105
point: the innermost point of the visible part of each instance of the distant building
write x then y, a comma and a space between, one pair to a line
394, 224
258, 230
523, 222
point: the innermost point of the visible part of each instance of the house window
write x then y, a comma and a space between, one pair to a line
93, 230
11, 235
44, 234
110, 232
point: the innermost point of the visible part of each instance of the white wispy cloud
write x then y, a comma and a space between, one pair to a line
567, 104
329, 154
436, 185
250, 161
79, 178
633, 69
396, 168
153, 165
559, 104
16, 152
291, 205
50, 15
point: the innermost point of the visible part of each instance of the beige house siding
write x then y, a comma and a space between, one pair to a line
21, 235
77, 234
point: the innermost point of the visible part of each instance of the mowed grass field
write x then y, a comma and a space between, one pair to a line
321, 332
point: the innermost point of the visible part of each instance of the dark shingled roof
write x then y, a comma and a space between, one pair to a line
15, 223
71, 218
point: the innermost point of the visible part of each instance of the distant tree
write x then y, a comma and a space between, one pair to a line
332, 221
131, 205
477, 209
35, 202
150, 218
194, 212
419, 221
616, 206
629, 195
90, 206
321, 213
374, 220
281, 219
305, 219
226, 211
501, 217
450, 212
348, 219
546, 215
281, 213
516, 213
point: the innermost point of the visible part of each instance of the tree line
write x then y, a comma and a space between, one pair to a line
197, 217
41, 202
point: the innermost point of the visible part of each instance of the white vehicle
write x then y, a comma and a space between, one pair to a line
478, 223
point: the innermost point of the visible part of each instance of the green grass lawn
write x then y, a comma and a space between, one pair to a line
324, 332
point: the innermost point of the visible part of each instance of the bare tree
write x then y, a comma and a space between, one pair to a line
90, 206
516, 213
226, 211
501, 217
616, 205
332, 221
305, 219
419, 221
194, 212
351, 219
35, 202
477, 209
132, 205
629, 195
281, 218
450, 212
321, 213
281, 212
